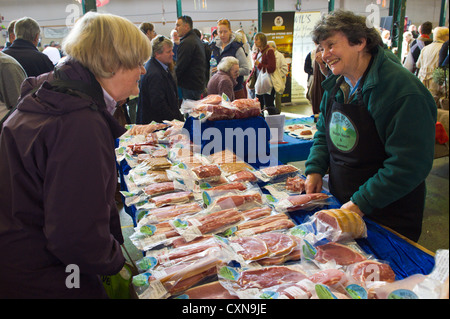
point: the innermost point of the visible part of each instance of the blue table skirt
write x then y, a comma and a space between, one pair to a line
295, 149
247, 138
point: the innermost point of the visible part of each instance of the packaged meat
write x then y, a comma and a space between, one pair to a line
225, 156
299, 290
246, 108
242, 201
339, 254
230, 168
158, 164
371, 271
261, 221
339, 224
206, 223
302, 201
172, 199
166, 213
295, 254
279, 224
285, 188
212, 290
295, 184
279, 244
329, 277
146, 129
180, 241
178, 277
276, 173
257, 212
250, 248
242, 176
159, 188
209, 108
207, 173
167, 257
229, 186
248, 283
147, 237
212, 99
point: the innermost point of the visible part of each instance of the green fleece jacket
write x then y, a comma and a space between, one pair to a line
405, 113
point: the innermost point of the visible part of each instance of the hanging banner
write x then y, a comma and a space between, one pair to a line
304, 23
279, 27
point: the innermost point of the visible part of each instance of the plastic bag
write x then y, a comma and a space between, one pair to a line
263, 83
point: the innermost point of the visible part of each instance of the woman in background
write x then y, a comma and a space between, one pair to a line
224, 80
225, 44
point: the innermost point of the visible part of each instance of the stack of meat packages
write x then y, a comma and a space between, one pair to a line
209, 231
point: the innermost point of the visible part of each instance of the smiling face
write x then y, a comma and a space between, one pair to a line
342, 57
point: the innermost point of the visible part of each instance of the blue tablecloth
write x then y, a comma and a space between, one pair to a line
295, 149
247, 138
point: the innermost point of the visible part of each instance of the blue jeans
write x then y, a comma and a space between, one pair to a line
190, 94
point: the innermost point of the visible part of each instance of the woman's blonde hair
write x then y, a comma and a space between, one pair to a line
104, 43
440, 34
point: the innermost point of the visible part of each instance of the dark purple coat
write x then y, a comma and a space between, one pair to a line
58, 180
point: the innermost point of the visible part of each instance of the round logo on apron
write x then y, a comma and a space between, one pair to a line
343, 133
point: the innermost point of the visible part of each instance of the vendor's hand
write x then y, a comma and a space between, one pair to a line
313, 183
353, 207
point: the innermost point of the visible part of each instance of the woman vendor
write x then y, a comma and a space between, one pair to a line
376, 128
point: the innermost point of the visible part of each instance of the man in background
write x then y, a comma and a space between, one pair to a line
24, 48
191, 61
11, 77
158, 98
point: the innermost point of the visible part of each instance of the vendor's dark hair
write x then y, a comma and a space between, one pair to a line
353, 26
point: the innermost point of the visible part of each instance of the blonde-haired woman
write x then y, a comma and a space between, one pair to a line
60, 225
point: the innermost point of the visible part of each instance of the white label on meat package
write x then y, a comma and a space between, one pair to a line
195, 222
296, 292
152, 241
156, 290
158, 274
246, 232
191, 233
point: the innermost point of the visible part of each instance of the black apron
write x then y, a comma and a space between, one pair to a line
356, 154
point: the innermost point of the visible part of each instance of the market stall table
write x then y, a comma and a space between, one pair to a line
404, 257
294, 149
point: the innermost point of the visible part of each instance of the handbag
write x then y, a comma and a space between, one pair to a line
263, 83
252, 79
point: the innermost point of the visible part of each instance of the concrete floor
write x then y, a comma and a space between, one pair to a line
435, 233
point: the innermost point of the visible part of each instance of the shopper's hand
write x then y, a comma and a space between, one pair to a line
353, 207
313, 183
